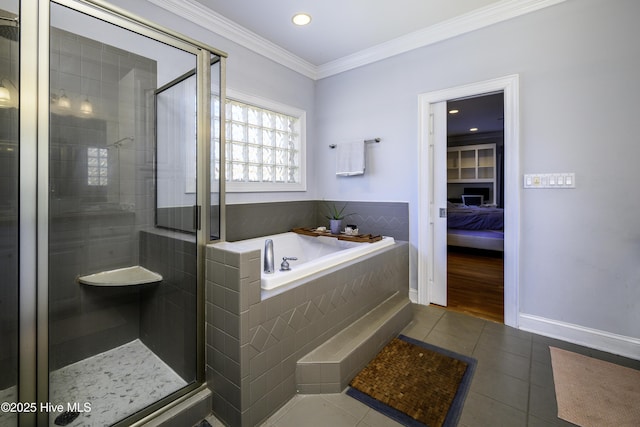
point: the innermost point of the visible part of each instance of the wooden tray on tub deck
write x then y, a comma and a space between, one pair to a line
364, 238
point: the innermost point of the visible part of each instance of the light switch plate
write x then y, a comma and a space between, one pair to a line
550, 180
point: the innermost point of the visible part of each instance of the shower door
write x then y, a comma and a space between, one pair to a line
124, 314
9, 149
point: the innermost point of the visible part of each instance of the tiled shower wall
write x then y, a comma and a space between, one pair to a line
86, 320
167, 310
8, 232
96, 228
253, 343
8, 301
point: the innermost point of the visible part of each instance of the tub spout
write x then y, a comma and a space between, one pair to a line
268, 257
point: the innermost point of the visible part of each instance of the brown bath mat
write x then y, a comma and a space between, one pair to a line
415, 383
592, 392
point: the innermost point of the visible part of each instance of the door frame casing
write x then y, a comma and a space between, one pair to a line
428, 143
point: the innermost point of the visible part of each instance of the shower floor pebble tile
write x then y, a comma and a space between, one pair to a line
8, 419
116, 384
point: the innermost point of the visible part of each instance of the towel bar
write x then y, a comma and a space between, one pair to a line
366, 141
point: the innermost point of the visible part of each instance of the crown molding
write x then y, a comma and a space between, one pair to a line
483, 17
480, 18
214, 22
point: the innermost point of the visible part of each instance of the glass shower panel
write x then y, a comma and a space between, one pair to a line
176, 155
9, 149
216, 124
122, 293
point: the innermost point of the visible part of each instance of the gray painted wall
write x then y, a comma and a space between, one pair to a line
578, 66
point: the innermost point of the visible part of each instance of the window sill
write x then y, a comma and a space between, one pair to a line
261, 187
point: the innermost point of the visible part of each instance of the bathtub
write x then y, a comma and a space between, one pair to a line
314, 254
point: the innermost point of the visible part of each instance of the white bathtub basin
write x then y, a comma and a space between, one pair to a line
314, 254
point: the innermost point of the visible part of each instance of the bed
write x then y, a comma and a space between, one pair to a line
480, 227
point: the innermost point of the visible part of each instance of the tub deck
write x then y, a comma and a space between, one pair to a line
360, 238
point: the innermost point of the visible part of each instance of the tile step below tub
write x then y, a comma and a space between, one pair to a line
330, 367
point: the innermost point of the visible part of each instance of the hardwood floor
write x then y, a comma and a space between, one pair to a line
475, 283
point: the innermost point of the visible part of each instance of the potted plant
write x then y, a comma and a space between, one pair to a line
335, 217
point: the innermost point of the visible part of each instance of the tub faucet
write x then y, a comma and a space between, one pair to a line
268, 257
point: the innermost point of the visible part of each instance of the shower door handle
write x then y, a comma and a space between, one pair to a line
196, 216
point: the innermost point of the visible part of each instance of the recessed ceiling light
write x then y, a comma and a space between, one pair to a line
473, 130
454, 111
301, 19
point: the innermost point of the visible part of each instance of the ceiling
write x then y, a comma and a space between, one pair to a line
486, 113
344, 34
339, 27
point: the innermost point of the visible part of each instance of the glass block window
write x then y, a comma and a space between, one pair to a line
264, 148
97, 166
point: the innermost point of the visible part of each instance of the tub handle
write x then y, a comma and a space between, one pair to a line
285, 263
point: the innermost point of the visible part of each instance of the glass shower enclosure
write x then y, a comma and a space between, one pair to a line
115, 145
9, 194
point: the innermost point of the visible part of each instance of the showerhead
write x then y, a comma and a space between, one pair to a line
120, 142
9, 28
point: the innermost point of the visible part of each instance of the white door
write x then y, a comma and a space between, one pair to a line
439, 202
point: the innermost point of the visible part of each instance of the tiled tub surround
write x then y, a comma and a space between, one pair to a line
246, 221
254, 342
384, 218
331, 366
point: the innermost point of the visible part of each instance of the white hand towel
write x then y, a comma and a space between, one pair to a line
350, 159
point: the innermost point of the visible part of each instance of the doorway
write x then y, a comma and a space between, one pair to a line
432, 224
475, 206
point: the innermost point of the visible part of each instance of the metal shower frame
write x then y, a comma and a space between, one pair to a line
34, 194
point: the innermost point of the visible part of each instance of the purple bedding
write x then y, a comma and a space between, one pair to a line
475, 218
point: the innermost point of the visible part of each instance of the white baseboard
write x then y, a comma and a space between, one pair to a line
413, 295
593, 338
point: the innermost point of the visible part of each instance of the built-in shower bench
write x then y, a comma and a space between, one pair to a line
330, 367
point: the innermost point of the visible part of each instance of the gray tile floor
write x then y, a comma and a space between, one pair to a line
512, 385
